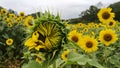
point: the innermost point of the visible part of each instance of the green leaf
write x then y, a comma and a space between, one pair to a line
95, 63
59, 62
115, 60
72, 44
83, 60
77, 58
107, 52
31, 64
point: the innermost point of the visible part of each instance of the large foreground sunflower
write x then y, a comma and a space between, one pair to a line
105, 15
47, 36
88, 44
108, 36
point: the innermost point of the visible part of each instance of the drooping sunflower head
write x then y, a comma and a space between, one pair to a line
108, 37
47, 36
105, 15
88, 44
50, 30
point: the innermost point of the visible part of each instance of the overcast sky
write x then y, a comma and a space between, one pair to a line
67, 8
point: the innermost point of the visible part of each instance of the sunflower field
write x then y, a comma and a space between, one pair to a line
49, 42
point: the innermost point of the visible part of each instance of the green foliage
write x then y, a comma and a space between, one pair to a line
115, 8
31, 64
90, 15
11, 54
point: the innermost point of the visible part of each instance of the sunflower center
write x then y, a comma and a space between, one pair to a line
80, 24
4, 11
105, 15
35, 34
9, 25
111, 23
66, 55
75, 38
30, 23
9, 41
12, 16
22, 14
89, 44
107, 37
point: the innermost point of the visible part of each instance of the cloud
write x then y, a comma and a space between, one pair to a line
67, 8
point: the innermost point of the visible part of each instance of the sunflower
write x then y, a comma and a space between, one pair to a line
47, 36
4, 19
85, 29
105, 15
9, 41
96, 25
79, 25
74, 36
112, 23
3, 11
64, 55
8, 20
12, 15
50, 34
90, 24
18, 19
10, 24
28, 21
108, 37
22, 14
89, 44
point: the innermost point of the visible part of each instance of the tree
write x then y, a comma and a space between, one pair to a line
116, 9
90, 15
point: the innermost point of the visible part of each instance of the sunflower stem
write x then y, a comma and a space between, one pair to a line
105, 57
63, 65
54, 64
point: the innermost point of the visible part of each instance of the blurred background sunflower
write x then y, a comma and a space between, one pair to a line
12, 36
